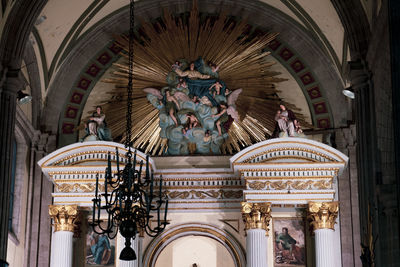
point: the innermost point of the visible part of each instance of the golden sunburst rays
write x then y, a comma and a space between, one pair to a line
230, 44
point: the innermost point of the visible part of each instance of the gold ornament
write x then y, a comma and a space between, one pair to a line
257, 185
194, 194
76, 187
323, 214
256, 215
63, 217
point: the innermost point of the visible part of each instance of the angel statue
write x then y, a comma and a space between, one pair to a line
227, 112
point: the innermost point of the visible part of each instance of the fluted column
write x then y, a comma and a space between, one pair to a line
256, 217
323, 216
62, 239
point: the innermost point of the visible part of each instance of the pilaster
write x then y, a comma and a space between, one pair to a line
345, 140
37, 247
10, 83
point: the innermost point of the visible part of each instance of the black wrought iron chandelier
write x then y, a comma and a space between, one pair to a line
129, 197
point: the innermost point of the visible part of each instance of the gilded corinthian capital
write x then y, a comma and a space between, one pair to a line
323, 214
256, 215
63, 217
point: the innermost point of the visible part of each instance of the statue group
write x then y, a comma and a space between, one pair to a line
196, 109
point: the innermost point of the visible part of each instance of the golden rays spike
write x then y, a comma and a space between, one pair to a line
221, 39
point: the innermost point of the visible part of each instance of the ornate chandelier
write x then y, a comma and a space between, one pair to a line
131, 199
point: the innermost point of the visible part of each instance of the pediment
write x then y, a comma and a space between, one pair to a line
88, 155
288, 150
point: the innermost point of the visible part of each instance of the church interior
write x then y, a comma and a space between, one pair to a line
199, 133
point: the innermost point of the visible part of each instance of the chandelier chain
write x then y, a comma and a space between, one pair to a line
128, 140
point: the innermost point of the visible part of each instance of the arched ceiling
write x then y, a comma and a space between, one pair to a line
62, 23
311, 29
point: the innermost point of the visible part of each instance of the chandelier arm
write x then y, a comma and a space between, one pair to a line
103, 230
114, 184
113, 199
150, 232
113, 234
117, 159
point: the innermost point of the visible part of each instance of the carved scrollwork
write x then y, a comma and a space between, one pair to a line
195, 194
76, 187
323, 184
280, 185
301, 185
257, 185
232, 194
291, 184
177, 194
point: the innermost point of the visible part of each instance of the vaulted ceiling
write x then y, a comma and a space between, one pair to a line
69, 36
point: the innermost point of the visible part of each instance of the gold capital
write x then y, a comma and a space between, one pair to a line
256, 215
323, 214
63, 217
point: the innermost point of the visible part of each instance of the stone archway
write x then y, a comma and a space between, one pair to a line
193, 229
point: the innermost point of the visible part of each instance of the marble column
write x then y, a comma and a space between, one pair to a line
256, 217
62, 239
323, 218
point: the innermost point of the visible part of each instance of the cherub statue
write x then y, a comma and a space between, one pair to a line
176, 65
217, 89
192, 120
171, 105
214, 70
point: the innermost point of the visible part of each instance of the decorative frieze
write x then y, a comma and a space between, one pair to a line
323, 214
201, 194
63, 217
291, 185
256, 215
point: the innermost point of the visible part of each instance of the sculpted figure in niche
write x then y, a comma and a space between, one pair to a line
96, 127
286, 121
